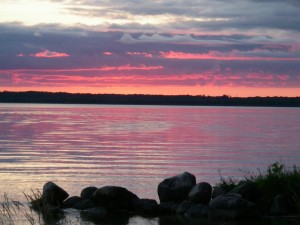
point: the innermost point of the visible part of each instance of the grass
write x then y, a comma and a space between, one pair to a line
277, 180
33, 212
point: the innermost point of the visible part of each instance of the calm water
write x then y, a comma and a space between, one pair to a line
138, 146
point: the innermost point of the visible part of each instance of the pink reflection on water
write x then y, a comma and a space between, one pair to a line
138, 146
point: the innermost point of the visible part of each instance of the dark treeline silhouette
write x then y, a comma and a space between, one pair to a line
138, 99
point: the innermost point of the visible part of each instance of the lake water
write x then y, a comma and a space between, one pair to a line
137, 147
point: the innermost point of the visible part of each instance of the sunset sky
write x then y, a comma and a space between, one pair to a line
195, 47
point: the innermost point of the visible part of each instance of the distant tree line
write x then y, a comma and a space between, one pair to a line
138, 99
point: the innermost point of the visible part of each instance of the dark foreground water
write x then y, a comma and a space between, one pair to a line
138, 146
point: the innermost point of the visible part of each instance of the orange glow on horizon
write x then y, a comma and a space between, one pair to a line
169, 90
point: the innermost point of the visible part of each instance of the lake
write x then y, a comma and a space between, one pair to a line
137, 147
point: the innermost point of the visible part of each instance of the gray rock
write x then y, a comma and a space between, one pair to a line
145, 206
280, 206
88, 192
232, 206
201, 193
53, 194
114, 197
184, 206
197, 211
247, 190
176, 188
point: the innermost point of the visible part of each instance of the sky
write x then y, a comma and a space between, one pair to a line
174, 47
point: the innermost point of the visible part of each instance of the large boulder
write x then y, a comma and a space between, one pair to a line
114, 197
53, 194
201, 193
176, 188
88, 192
247, 190
232, 206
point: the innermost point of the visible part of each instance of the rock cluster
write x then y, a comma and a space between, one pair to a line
178, 194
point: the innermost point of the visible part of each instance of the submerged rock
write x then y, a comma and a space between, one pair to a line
176, 188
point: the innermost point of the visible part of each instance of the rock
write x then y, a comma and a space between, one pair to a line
79, 203
183, 207
145, 206
217, 191
232, 206
247, 190
167, 207
53, 194
84, 204
88, 192
70, 202
280, 206
197, 211
177, 188
114, 197
201, 193
94, 214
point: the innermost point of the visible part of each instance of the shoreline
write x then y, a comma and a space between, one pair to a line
140, 99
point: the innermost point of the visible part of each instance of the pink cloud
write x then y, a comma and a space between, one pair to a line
50, 54
107, 53
20, 55
214, 55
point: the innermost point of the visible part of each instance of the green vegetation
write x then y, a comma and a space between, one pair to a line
276, 181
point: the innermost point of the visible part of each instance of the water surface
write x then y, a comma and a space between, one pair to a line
138, 146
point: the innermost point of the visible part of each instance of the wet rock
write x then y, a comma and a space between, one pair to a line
114, 197
88, 192
201, 193
176, 188
53, 194
232, 206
